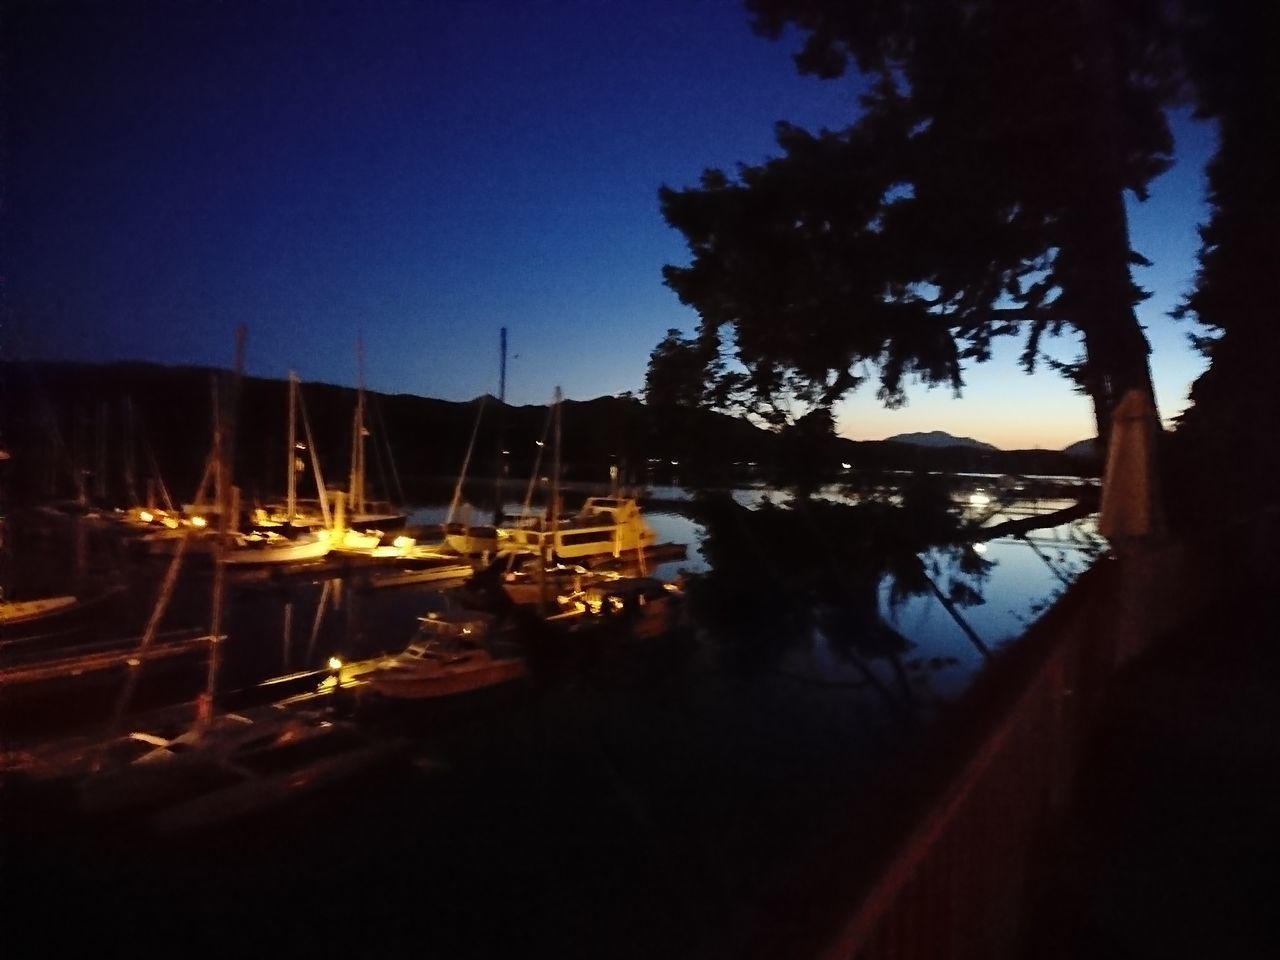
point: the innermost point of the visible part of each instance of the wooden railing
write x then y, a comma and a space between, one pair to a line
962, 874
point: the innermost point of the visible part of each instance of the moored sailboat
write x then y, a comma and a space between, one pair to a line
286, 538
219, 765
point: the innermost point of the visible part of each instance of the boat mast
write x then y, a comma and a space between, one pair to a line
315, 464
226, 504
555, 474
358, 463
291, 496
548, 533
466, 464
500, 465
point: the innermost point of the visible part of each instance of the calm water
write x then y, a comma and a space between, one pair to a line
641, 807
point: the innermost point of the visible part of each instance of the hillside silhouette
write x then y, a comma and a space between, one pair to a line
105, 422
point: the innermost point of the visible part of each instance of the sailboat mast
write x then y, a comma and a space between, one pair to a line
548, 533
360, 452
227, 505
358, 461
555, 474
291, 496
353, 481
501, 460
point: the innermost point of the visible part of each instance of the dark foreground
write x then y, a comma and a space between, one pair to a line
636, 814
1174, 841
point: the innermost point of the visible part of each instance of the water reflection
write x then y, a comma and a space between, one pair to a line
861, 604
706, 785
935, 611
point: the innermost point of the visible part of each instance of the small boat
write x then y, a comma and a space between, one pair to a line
238, 764
469, 541
525, 581
642, 607
453, 652
426, 567
605, 526
21, 619
265, 547
14, 612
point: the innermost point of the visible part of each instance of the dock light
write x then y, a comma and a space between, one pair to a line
335, 663
979, 499
538, 443
146, 516
199, 522
846, 466
171, 523
675, 463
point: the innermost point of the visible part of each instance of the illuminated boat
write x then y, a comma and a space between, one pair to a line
469, 541
604, 527
14, 612
266, 547
21, 619
524, 580
452, 653
642, 607
294, 540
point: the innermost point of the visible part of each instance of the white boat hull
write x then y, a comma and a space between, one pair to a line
256, 554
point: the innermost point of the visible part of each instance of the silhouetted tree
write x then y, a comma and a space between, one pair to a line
980, 193
1226, 439
678, 372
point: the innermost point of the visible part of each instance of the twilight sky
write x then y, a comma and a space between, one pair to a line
421, 174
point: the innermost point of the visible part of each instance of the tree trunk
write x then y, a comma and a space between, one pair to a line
1096, 251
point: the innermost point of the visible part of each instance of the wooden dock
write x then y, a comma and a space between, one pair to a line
93, 658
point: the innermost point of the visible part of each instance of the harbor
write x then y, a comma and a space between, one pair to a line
747, 480
633, 771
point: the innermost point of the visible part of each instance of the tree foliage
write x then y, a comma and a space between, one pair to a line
979, 193
1226, 438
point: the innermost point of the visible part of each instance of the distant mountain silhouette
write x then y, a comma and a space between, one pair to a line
1082, 448
939, 438
65, 420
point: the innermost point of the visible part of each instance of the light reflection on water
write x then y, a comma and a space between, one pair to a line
712, 785
1024, 577
287, 627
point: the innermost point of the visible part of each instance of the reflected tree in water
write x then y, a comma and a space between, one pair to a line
780, 573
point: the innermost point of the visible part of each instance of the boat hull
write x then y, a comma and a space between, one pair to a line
289, 553
401, 684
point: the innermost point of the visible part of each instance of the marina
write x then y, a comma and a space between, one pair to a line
857, 551
618, 758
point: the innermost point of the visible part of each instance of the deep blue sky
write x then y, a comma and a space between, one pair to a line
423, 174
